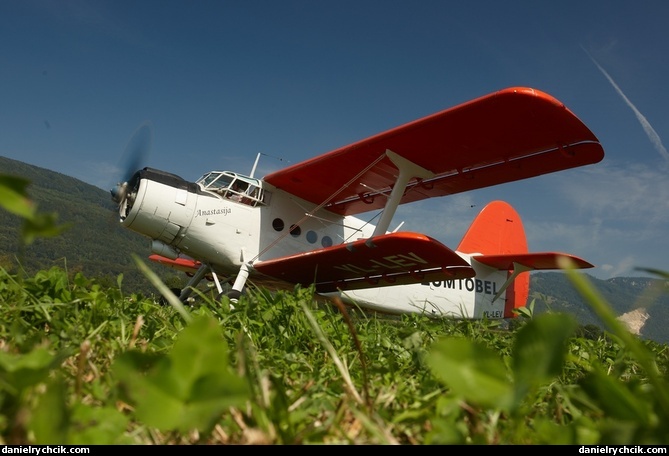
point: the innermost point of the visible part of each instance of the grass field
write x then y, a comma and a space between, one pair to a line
85, 364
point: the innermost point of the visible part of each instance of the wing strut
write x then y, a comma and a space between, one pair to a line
517, 270
408, 170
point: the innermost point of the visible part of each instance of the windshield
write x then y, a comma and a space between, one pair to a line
233, 186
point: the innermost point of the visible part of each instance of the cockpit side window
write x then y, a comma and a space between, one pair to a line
236, 190
222, 182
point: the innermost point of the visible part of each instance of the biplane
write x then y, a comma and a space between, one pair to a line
302, 225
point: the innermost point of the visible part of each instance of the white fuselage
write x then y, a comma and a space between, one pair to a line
224, 234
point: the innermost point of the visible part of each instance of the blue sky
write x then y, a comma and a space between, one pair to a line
222, 81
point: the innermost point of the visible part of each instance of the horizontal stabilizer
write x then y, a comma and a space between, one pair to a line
533, 261
389, 259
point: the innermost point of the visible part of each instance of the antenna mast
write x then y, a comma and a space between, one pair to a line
255, 165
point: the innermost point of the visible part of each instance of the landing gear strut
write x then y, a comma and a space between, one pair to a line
197, 278
239, 284
234, 294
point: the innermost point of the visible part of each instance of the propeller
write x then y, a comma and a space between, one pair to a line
135, 155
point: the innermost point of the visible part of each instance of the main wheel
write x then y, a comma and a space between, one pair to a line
232, 295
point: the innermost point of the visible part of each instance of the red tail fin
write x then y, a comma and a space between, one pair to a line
498, 230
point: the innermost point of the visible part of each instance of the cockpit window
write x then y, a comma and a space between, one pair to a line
215, 180
233, 186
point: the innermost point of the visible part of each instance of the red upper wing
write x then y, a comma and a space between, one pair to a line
509, 135
390, 259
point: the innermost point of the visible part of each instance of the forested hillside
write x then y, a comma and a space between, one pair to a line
96, 244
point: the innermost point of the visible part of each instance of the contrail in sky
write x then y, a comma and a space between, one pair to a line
650, 132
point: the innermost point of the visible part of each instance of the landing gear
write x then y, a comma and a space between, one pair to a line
197, 277
239, 284
163, 302
232, 294
238, 287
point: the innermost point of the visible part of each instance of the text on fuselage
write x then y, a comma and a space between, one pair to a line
477, 285
205, 213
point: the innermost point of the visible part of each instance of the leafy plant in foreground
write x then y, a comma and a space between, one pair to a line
14, 198
188, 388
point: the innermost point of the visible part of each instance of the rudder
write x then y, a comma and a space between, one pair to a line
498, 230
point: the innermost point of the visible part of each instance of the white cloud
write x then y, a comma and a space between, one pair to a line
621, 220
632, 193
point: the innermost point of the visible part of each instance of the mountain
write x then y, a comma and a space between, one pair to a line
95, 243
98, 246
638, 301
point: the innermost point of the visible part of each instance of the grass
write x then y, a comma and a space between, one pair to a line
80, 364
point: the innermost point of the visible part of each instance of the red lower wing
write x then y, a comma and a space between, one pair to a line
535, 261
391, 259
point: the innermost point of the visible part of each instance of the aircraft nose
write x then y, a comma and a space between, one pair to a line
117, 194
